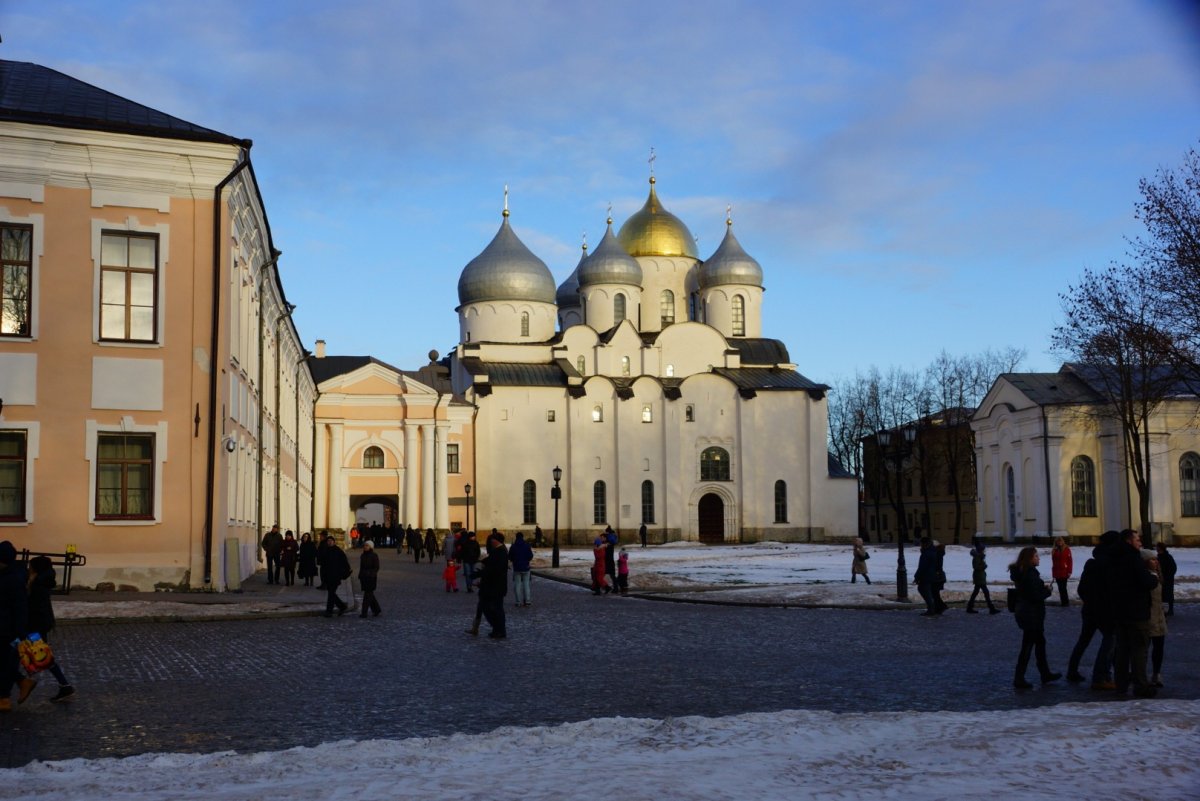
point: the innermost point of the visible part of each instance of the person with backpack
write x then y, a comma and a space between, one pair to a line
41, 621
1097, 615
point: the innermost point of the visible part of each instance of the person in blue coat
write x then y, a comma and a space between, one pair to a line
521, 555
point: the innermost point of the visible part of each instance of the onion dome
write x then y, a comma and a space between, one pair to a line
506, 270
610, 264
654, 231
730, 264
568, 291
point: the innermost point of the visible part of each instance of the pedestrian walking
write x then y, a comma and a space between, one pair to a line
858, 562
1097, 614
926, 570
623, 572
468, 554
335, 568
322, 543
1132, 583
1031, 594
272, 543
14, 623
1061, 568
939, 576
493, 586
306, 556
368, 578
431, 544
979, 578
416, 545
521, 556
450, 575
40, 582
1168, 568
288, 553
1158, 619
599, 548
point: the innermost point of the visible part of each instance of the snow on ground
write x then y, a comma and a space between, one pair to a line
819, 575
1119, 751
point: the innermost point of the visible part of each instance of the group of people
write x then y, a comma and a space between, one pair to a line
1127, 594
610, 571
26, 613
284, 555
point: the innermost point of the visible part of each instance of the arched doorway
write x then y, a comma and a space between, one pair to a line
712, 518
376, 516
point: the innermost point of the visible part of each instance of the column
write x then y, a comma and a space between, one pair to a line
441, 499
427, 453
408, 515
336, 513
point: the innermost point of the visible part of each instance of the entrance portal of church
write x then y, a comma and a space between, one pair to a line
712, 518
375, 516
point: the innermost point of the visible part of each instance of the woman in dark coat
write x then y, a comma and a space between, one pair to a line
924, 577
41, 618
431, 543
287, 558
1031, 594
308, 559
368, 576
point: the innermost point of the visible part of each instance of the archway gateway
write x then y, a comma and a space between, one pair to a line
712, 518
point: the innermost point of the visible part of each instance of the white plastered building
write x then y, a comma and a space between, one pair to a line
646, 379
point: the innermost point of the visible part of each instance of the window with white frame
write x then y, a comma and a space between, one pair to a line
647, 413
16, 279
14, 457
714, 464
739, 316
597, 414
452, 457
618, 308
1189, 485
128, 286
124, 476
599, 503
625, 365
373, 458
1083, 487
666, 308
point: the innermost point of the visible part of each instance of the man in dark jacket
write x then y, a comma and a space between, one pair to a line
493, 586
14, 620
1132, 582
272, 545
1098, 614
469, 555
335, 568
1166, 563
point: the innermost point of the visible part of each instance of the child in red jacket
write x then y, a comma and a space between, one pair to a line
1061, 568
450, 574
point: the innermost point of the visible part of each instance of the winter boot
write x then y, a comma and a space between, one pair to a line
64, 692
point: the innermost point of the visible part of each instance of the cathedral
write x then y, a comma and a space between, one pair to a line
645, 379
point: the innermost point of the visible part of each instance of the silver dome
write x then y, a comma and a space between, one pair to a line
505, 270
730, 265
568, 291
610, 264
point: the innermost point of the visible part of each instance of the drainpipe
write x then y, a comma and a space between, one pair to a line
213, 367
1046, 459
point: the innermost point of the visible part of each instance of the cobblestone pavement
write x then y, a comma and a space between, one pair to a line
255, 685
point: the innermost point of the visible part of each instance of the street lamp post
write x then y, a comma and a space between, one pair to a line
885, 439
555, 495
467, 490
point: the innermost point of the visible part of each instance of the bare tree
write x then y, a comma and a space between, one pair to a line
1118, 329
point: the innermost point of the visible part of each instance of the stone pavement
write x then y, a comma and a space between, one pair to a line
267, 684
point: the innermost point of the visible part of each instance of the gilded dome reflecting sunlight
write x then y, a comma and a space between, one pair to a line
654, 231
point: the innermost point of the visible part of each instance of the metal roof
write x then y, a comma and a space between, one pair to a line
39, 95
768, 378
517, 374
760, 352
1048, 389
730, 265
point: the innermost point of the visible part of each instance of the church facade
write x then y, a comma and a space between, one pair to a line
645, 378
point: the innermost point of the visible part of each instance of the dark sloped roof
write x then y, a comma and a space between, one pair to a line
35, 94
760, 351
836, 469
517, 374
333, 366
768, 378
1163, 380
1048, 389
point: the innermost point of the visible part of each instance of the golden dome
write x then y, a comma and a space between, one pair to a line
654, 231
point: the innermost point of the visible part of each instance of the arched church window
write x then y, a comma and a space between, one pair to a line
625, 365
580, 365
529, 502
597, 414
599, 503
670, 371
1083, 487
1189, 485
618, 308
666, 304
373, 458
780, 501
714, 464
647, 501
647, 413
524, 324
739, 316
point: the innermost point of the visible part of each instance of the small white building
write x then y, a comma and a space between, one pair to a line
1052, 463
645, 377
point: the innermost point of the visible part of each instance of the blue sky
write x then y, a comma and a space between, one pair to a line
912, 176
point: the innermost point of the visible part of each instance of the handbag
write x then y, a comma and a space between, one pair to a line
35, 654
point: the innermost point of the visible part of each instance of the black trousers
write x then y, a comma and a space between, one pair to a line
987, 596
1129, 657
1062, 591
1032, 640
493, 612
273, 569
331, 598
